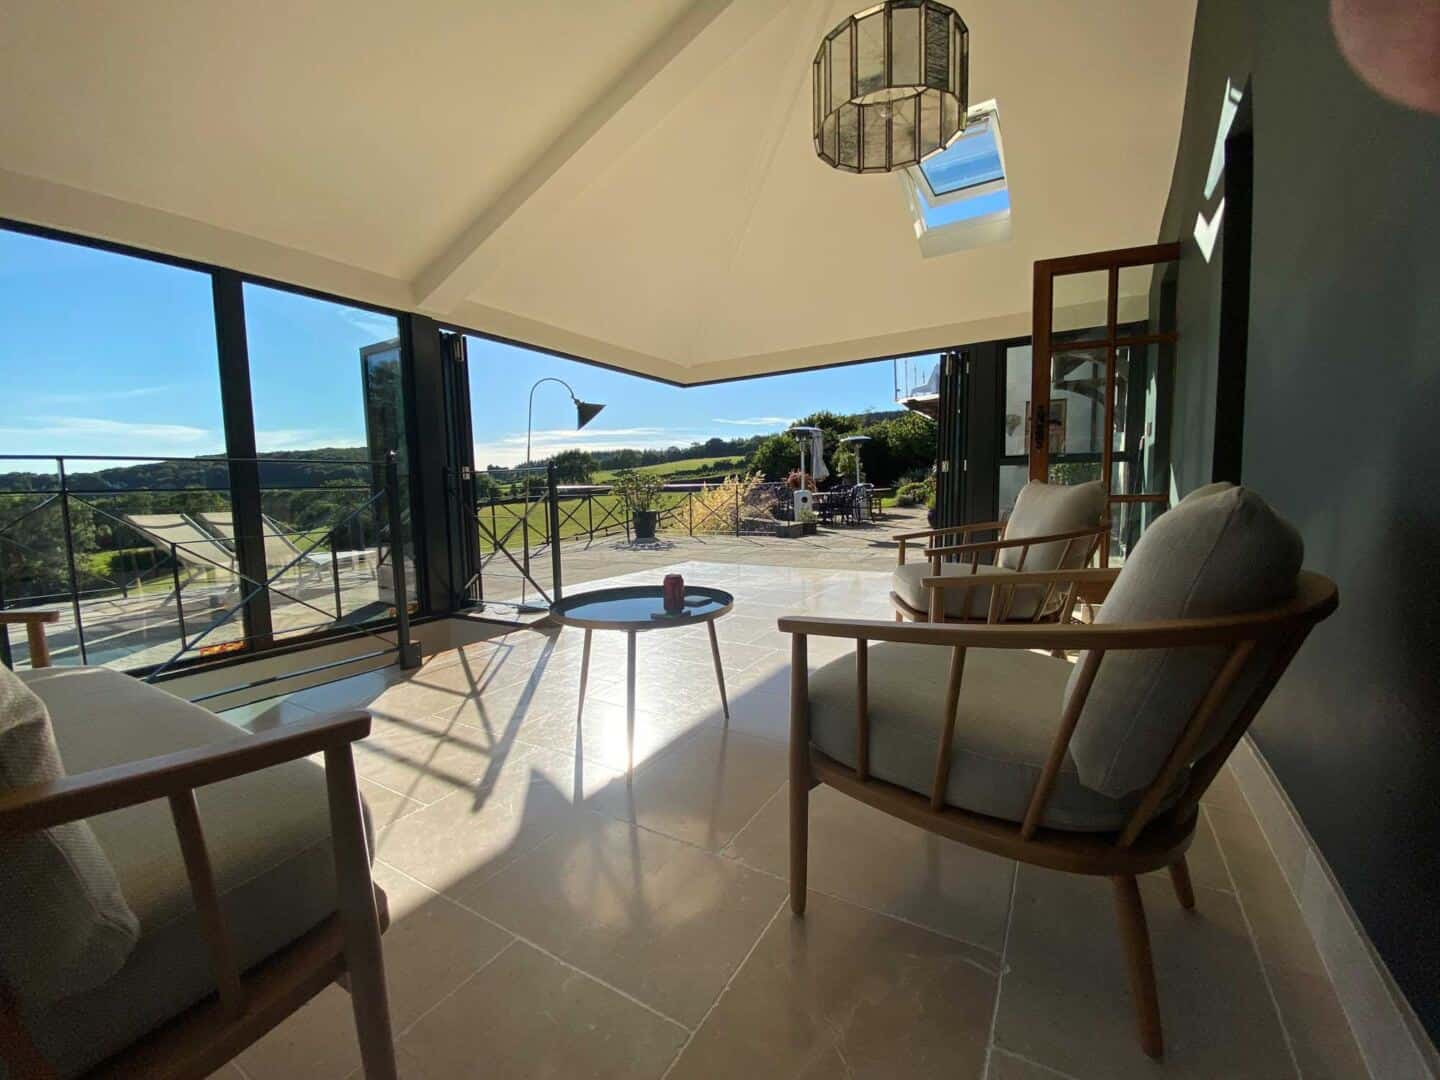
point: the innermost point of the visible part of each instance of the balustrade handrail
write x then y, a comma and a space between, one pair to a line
201, 554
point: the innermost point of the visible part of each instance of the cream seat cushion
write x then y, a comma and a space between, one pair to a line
1221, 551
64, 924
268, 835
905, 582
1046, 509
1009, 712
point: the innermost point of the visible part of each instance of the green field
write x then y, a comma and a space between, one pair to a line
576, 518
668, 468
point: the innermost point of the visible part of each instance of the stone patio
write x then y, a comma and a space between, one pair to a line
552, 921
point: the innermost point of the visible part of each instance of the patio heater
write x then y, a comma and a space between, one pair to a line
808, 437
856, 442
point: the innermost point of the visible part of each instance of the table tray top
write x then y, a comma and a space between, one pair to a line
639, 607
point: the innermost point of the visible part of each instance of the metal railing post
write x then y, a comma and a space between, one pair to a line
690, 507
553, 499
409, 651
335, 571
5, 656
70, 556
179, 604
737, 509
525, 533
590, 517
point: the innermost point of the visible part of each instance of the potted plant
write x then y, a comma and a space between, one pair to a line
640, 491
809, 522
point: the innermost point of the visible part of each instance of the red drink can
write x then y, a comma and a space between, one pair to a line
674, 592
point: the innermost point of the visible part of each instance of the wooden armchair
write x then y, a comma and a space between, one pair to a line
1053, 527
248, 995
34, 623
871, 731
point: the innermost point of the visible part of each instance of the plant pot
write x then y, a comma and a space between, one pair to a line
644, 522
810, 527
790, 530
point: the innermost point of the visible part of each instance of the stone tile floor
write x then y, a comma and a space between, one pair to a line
550, 920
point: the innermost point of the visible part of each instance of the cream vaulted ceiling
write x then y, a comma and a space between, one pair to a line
630, 181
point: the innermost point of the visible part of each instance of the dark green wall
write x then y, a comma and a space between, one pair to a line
1342, 434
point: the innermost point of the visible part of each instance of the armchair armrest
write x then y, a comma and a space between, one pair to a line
963, 530
99, 791
34, 623
1093, 575
1071, 637
1095, 531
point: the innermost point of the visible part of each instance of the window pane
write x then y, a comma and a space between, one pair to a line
970, 160
1017, 400
105, 354
328, 400
1076, 417
1078, 302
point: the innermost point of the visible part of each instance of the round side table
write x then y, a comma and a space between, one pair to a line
640, 609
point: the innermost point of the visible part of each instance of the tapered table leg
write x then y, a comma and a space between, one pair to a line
719, 671
630, 706
584, 677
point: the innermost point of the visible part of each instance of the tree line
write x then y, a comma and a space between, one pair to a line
901, 447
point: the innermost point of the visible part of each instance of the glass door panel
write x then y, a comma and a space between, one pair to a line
1075, 416
1097, 399
1015, 427
1079, 304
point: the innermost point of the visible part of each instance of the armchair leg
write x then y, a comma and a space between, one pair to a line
1180, 878
1136, 936
359, 921
799, 840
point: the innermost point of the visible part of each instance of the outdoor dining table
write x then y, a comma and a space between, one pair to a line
639, 609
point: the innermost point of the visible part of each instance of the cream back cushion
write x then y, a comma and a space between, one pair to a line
1045, 509
1225, 552
64, 926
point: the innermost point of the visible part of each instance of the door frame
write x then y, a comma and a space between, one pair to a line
1042, 354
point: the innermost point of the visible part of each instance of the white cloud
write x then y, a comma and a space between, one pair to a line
79, 435
756, 421
510, 449
380, 327
87, 427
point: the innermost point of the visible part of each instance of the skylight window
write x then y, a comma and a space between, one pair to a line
960, 197
971, 160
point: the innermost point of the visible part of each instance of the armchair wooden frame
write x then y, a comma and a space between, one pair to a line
1151, 839
34, 623
345, 947
969, 551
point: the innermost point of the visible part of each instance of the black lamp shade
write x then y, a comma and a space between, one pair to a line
585, 411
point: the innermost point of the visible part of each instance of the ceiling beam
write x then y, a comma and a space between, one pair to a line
697, 42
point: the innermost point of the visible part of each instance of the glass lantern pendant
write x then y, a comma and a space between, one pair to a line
891, 86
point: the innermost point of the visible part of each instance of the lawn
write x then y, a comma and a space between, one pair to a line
670, 468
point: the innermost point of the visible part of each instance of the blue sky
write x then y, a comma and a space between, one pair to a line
104, 354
